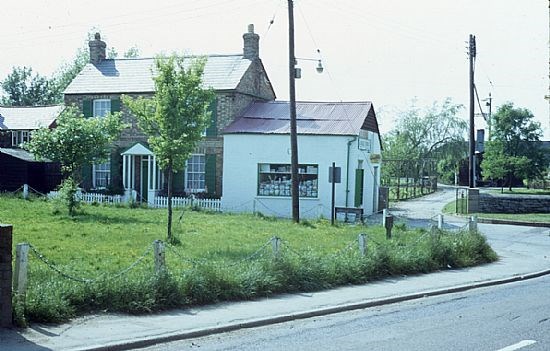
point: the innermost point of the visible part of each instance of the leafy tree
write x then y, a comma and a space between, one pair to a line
75, 142
432, 133
23, 88
175, 117
514, 149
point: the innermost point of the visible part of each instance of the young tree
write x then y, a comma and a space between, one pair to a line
175, 117
513, 150
23, 88
75, 142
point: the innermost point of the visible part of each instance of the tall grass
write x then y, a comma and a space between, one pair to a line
221, 258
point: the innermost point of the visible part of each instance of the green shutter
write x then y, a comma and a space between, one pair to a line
359, 187
212, 130
87, 108
210, 174
115, 183
86, 176
115, 105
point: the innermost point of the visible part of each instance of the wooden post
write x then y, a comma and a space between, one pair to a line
25, 191
276, 246
440, 221
160, 263
362, 240
5, 276
384, 214
388, 226
21, 268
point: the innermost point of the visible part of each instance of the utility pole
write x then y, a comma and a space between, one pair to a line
489, 103
293, 132
471, 168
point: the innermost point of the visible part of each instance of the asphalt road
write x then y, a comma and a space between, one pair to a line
504, 318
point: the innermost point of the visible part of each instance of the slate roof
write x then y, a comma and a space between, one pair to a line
29, 117
316, 118
221, 72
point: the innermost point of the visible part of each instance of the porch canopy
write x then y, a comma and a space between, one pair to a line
154, 177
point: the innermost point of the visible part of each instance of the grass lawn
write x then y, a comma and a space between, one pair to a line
525, 217
213, 262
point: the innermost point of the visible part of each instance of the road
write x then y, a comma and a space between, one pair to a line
502, 318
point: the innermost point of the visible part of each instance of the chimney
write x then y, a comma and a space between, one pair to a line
97, 49
251, 49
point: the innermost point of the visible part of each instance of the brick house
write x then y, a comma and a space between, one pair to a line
238, 80
19, 166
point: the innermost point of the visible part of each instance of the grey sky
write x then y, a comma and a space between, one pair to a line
388, 52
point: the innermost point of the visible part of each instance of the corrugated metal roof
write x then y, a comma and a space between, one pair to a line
323, 118
28, 118
221, 72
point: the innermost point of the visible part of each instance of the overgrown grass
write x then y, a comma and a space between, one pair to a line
213, 263
523, 217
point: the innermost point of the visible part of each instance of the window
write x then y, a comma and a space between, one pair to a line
101, 174
364, 141
195, 174
275, 180
20, 136
102, 107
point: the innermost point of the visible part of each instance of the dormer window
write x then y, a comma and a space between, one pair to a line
19, 137
101, 107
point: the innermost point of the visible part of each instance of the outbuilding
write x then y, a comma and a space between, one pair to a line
256, 167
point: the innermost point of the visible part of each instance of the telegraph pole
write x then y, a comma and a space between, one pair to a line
489, 103
293, 132
471, 168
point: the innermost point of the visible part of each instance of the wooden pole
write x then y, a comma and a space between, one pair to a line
293, 129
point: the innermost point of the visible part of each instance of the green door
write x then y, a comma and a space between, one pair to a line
359, 175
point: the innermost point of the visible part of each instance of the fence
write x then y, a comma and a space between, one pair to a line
158, 202
90, 198
207, 204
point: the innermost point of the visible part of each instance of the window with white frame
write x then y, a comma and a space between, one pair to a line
20, 136
195, 180
101, 173
102, 107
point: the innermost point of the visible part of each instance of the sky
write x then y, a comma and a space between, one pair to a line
390, 52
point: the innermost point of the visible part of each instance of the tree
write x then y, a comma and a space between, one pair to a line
175, 117
432, 133
23, 88
75, 142
514, 149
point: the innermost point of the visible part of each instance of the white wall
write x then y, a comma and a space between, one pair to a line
243, 153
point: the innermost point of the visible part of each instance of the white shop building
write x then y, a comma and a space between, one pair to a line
256, 161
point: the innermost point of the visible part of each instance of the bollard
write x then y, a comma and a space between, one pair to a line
362, 240
440, 221
20, 272
276, 246
472, 224
160, 262
388, 225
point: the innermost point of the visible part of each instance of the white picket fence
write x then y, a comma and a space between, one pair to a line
207, 204
90, 198
159, 201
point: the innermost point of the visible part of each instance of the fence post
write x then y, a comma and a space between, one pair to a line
384, 214
440, 221
276, 246
362, 240
25, 191
160, 262
388, 225
472, 224
21, 268
5, 276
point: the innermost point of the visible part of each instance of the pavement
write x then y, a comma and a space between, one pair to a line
524, 253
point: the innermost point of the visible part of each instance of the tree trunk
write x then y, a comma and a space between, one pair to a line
169, 237
510, 181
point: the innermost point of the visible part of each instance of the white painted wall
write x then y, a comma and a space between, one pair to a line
243, 153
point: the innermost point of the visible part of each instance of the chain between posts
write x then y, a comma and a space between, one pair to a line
53, 267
